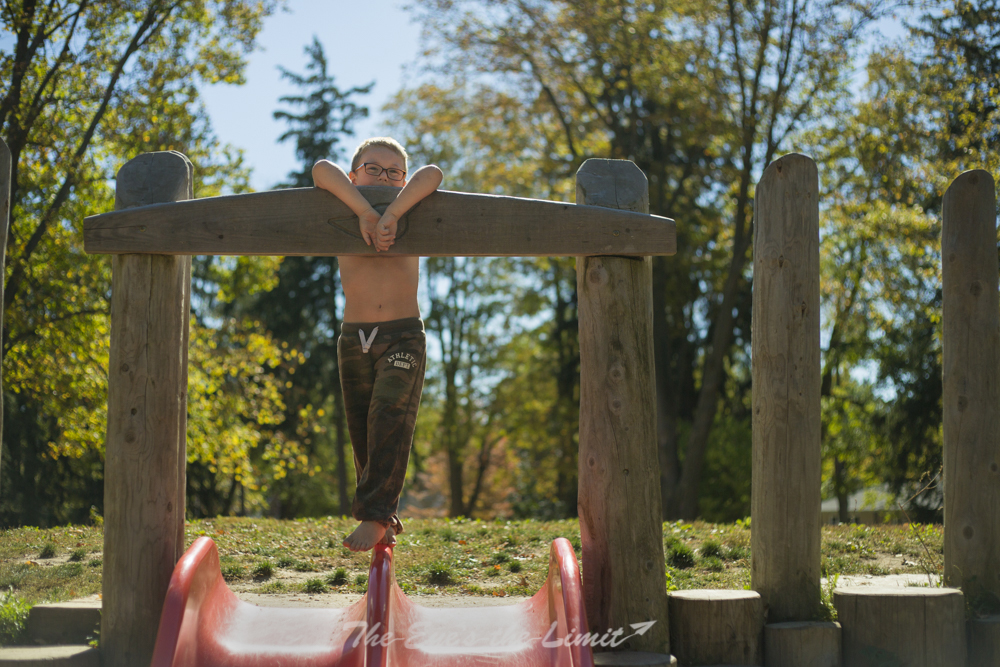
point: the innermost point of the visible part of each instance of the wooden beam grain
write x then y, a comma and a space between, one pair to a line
311, 221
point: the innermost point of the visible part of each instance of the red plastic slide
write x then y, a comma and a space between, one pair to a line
205, 625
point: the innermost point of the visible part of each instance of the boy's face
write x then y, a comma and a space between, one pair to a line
383, 157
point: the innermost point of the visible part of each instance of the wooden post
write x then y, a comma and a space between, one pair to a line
983, 637
917, 627
5, 165
147, 419
799, 643
621, 527
971, 400
717, 627
785, 501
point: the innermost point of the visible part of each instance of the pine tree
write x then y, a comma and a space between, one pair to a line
302, 309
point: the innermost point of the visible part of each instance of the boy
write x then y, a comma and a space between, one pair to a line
382, 348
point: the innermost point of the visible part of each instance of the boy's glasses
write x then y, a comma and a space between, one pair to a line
373, 169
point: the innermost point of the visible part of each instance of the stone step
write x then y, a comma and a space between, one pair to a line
49, 656
73, 622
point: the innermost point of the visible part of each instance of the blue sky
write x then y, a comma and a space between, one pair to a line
241, 115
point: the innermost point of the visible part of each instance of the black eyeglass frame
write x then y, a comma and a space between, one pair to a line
381, 169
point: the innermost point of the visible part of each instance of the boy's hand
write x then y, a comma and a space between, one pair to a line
386, 231
367, 222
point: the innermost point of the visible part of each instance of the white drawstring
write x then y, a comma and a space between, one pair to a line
365, 344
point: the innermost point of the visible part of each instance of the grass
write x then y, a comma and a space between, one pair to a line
441, 556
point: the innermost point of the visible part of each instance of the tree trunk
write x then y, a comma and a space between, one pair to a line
682, 501
840, 488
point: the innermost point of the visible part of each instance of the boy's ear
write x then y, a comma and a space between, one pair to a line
351, 176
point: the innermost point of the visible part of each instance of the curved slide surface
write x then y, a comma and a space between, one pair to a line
204, 624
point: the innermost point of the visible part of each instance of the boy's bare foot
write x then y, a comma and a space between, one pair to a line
365, 536
389, 538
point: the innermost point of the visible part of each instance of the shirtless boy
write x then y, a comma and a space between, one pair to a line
382, 348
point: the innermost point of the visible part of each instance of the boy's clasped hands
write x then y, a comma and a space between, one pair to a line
378, 166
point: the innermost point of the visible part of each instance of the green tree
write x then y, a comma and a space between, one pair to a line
702, 96
89, 85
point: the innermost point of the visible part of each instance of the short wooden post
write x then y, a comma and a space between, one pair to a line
917, 627
802, 643
716, 627
971, 398
983, 637
147, 418
5, 165
785, 501
621, 525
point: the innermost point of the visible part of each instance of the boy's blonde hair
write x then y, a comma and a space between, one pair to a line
379, 142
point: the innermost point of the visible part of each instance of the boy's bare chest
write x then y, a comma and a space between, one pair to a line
373, 271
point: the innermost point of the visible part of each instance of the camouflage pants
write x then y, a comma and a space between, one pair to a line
382, 377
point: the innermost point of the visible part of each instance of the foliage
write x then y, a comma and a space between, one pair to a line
89, 85
13, 618
700, 95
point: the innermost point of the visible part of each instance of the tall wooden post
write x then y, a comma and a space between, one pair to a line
147, 418
5, 165
971, 373
621, 525
785, 502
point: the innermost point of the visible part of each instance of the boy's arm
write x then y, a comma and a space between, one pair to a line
423, 182
332, 178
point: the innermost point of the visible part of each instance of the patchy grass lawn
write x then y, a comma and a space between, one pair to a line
437, 556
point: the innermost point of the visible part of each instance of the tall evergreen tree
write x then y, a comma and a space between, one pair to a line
302, 309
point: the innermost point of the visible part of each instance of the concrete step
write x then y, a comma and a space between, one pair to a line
73, 622
49, 656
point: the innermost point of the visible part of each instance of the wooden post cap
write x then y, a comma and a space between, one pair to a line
616, 184
154, 178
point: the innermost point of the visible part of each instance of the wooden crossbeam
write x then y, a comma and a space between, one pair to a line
311, 221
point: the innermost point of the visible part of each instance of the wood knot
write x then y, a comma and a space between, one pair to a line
616, 406
134, 411
124, 368
968, 532
781, 261
597, 275
993, 467
626, 472
591, 461
963, 403
170, 507
616, 373
976, 288
130, 437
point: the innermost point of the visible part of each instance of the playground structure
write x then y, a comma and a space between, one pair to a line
619, 505
204, 623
